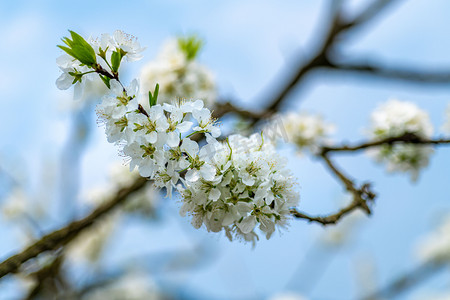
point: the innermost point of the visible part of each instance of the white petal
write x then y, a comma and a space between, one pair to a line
184, 126
116, 88
215, 131
78, 90
133, 89
192, 175
247, 225
214, 194
197, 221
248, 180
64, 81
208, 172
173, 139
190, 147
152, 137
147, 168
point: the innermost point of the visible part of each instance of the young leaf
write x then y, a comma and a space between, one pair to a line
79, 49
106, 80
152, 99
190, 45
116, 58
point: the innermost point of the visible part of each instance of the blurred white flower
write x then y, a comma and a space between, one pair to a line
15, 205
306, 131
435, 247
178, 77
395, 118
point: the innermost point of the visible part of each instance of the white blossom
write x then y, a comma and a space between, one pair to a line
69, 66
234, 186
395, 118
128, 44
250, 188
306, 131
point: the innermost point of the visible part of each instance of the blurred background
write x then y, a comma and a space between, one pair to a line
55, 162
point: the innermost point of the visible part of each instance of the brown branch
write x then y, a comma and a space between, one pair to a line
61, 237
338, 26
380, 71
363, 197
224, 108
409, 138
370, 12
328, 219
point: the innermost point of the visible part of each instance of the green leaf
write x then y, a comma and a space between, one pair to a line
67, 50
152, 99
116, 58
106, 81
190, 45
79, 49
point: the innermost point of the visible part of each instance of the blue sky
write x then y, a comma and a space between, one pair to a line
247, 46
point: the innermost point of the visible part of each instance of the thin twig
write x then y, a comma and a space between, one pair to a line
363, 197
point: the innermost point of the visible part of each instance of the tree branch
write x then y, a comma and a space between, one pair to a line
363, 197
378, 70
61, 237
407, 138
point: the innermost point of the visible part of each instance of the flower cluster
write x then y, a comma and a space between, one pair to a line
250, 186
235, 185
80, 61
153, 140
179, 74
396, 118
306, 131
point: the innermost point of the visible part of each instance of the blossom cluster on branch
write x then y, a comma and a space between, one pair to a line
233, 186
237, 184
395, 118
